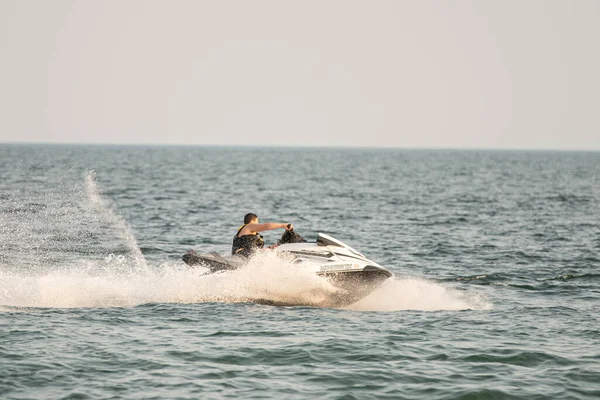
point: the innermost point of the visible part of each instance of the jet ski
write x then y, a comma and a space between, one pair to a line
347, 269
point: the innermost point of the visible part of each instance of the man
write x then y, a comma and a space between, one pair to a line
247, 238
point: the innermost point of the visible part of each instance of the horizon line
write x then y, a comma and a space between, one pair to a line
309, 146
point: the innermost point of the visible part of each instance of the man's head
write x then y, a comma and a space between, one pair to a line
250, 218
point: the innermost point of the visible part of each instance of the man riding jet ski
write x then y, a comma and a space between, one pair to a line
343, 266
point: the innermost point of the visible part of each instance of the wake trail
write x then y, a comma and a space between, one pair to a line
98, 284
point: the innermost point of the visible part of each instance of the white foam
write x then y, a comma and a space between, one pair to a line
111, 283
413, 293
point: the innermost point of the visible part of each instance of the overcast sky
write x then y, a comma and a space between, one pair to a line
483, 74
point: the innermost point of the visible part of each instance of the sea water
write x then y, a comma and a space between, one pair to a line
496, 256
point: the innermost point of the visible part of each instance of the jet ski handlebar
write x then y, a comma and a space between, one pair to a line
289, 236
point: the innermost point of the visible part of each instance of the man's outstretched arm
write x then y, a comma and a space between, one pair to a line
267, 226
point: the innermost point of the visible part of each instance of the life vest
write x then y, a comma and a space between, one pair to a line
246, 245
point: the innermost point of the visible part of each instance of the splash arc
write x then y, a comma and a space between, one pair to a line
108, 210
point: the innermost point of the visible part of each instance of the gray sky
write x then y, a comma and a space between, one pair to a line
499, 74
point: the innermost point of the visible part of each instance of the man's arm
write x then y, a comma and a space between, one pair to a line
267, 226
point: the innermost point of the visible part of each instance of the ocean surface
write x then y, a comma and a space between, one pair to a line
496, 256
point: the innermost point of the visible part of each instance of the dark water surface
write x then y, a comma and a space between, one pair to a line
496, 256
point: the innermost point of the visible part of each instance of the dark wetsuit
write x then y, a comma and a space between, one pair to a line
246, 245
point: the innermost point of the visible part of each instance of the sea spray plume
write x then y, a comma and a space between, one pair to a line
266, 279
103, 206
